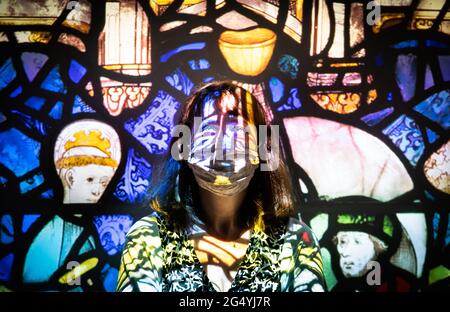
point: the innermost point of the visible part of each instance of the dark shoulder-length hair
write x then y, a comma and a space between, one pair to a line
269, 196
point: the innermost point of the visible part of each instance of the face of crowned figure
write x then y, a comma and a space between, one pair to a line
86, 184
224, 151
356, 249
87, 153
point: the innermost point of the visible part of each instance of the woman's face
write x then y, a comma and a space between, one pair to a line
224, 152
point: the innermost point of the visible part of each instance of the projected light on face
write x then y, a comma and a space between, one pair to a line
224, 152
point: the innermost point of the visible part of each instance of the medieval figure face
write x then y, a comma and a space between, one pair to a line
356, 249
87, 154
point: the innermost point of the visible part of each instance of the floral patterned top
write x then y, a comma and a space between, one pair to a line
284, 257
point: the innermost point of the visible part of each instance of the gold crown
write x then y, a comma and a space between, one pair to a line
93, 138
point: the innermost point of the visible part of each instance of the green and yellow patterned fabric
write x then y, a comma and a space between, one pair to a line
283, 257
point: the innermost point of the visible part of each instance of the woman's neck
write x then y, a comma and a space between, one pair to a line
222, 214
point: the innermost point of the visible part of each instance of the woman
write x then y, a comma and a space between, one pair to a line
228, 223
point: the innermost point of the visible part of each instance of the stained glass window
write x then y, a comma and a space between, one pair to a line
90, 91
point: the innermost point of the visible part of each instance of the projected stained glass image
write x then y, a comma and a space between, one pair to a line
91, 91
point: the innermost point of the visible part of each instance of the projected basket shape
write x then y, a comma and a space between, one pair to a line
247, 52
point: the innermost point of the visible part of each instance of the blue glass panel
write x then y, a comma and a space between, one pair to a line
109, 276
200, 64
87, 246
112, 231
135, 182
187, 47
435, 44
5, 267
47, 194
31, 123
27, 221
379, 61
35, 102
444, 63
79, 106
406, 44
437, 108
7, 73
429, 81
405, 75
32, 63
53, 82
16, 92
18, 152
6, 230
374, 118
76, 71
293, 101
56, 111
432, 136
436, 220
447, 235
407, 137
289, 65
180, 81
31, 183
49, 249
153, 128
208, 79
276, 88
437, 228
389, 97
429, 196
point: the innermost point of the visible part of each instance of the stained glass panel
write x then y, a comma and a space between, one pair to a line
90, 93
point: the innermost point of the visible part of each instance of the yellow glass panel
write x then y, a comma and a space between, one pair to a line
338, 102
160, 6
337, 65
386, 20
299, 9
248, 52
84, 267
33, 36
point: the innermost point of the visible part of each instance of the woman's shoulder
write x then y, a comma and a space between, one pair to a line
307, 249
148, 225
301, 231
